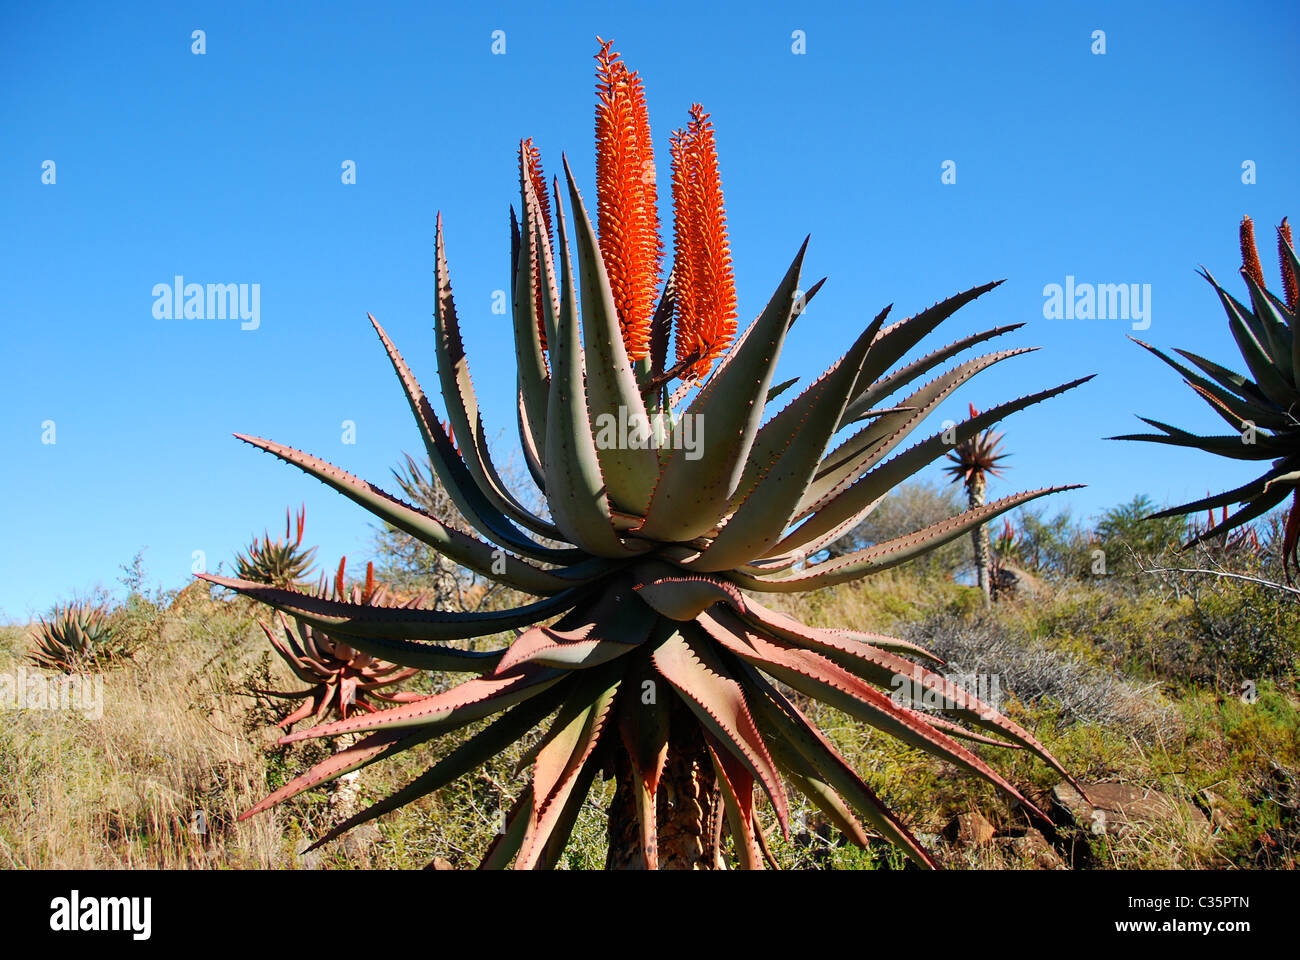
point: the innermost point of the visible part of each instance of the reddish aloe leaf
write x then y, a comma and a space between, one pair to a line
471, 700
680, 596
360, 754
804, 737
507, 843
737, 787
572, 737
471, 754
816, 676
718, 701
887, 670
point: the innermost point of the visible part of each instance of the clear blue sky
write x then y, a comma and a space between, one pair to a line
225, 168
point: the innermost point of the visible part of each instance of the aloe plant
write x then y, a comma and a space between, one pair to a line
341, 679
74, 636
1263, 409
281, 562
974, 460
648, 647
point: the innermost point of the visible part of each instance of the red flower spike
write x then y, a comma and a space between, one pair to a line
1288, 275
1249, 252
706, 286
627, 198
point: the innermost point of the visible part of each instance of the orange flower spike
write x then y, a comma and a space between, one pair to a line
530, 162
338, 579
626, 198
1288, 275
370, 583
706, 316
1249, 252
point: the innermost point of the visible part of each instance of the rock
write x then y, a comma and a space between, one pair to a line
969, 830
1119, 807
441, 863
1008, 580
1032, 850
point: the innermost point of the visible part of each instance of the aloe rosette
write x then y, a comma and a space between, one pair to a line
647, 652
281, 562
341, 679
1262, 408
72, 637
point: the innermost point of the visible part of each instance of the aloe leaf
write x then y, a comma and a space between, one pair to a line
643, 729
614, 626
736, 785
805, 778
851, 459
371, 629
1243, 387
534, 249
532, 380
803, 736
1232, 446
1276, 331
576, 491
776, 436
566, 742
798, 441
891, 553
461, 401
506, 845
364, 752
471, 700
896, 340
1253, 351
887, 670
888, 475
781, 388
718, 701
477, 555
1256, 508
560, 765
1240, 494
683, 597
613, 395
820, 678
473, 753
1232, 402
567, 817
692, 494
886, 386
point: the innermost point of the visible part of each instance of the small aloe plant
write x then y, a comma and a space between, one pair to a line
341, 679
648, 648
74, 636
281, 562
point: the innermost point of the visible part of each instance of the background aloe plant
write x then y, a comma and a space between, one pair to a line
974, 460
282, 562
74, 636
662, 670
1263, 409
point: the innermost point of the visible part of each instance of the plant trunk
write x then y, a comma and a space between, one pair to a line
688, 805
980, 539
